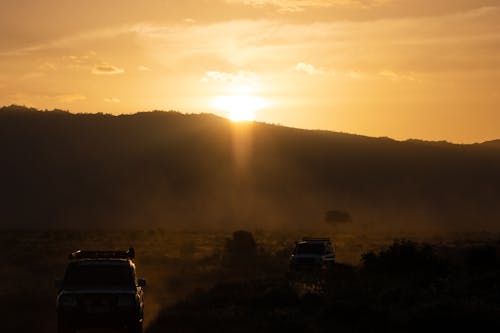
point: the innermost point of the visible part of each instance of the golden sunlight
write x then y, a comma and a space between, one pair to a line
239, 107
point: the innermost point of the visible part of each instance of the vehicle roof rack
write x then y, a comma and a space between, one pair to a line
315, 239
129, 254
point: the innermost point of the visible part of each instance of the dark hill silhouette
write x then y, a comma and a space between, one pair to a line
493, 143
169, 169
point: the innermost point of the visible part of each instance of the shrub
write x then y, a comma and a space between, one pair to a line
240, 250
403, 257
482, 257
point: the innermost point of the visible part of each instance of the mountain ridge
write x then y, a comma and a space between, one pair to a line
157, 169
20, 109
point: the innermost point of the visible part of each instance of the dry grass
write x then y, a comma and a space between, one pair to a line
178, 265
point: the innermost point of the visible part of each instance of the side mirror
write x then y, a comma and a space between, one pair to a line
58, 283
141, 283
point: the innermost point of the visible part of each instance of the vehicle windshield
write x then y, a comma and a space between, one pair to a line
310, 248
99, 276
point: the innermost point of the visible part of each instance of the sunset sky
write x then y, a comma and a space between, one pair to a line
399, 68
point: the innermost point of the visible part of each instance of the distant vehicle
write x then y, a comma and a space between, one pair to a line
312, 255
100, 289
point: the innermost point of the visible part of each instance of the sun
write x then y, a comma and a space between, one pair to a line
241, 115
239, 107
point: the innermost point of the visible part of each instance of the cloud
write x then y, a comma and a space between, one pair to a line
302, 67
44, 100
143, 68
112, 100
47, 67
66, 62
301, 5
240, 76
32, 75
309, 69
355, 75
403, 44
393, 76
107, 70
80, 59
70, 98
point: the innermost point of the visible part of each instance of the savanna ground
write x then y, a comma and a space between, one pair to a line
194, 284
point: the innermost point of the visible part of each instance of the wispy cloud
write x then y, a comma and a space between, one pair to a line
47, 67
240, 76
45, 99
143, 68
112, 100
310, 69
355, 75
397, 76
80, 59
70, 98
32, 75
301, 5
106, 69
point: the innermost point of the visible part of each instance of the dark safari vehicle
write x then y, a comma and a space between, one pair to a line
312, 255
100, 289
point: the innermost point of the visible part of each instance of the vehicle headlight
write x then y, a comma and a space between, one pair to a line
68, 301
125, 300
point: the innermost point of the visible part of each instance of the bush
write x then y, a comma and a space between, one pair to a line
403, 257
481, 257
240, 250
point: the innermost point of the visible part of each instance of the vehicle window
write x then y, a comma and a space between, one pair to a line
99, 276
310, 248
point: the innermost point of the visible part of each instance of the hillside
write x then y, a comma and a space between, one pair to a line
167, 169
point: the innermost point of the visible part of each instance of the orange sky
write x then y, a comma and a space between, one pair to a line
398, 68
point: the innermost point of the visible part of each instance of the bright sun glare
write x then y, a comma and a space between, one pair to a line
239, 107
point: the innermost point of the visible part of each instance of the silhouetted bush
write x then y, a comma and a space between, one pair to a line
481, 257
241, 250
403, 257
242, 244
